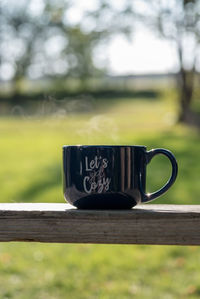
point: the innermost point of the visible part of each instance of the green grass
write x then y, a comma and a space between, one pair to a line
30, 171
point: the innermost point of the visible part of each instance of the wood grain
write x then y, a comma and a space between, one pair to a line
62, 223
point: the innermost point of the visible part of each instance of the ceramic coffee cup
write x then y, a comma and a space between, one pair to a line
110, 177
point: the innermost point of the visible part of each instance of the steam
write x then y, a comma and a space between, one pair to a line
89, 129
100, 129
53, 107
17, 110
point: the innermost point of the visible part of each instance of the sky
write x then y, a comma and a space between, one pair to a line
146, 54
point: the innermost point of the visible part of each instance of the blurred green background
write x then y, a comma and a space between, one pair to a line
56, 90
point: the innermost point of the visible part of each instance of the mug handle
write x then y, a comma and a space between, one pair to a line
149, 155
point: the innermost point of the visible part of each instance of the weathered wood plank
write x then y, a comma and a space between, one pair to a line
62, 223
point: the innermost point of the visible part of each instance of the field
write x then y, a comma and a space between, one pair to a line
30, 171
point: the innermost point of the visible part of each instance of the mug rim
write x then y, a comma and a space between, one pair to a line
102, 146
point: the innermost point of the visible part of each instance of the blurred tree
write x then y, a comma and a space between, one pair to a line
178, 21
27, 30
41, 39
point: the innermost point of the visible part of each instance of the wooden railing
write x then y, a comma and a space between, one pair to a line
145, 224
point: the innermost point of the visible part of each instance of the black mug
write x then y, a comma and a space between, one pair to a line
110, 177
